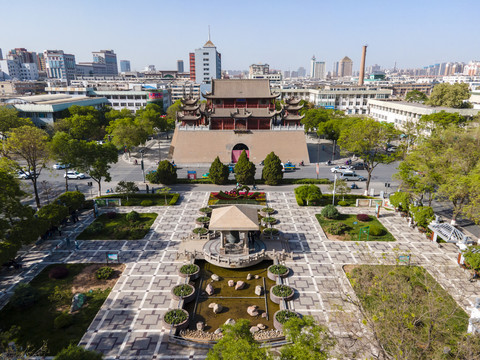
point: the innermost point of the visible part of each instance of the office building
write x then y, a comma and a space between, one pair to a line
345, 67
180, 68
21, 87
59, 65
319, 70
125, 66
16, 70
312, 66
302, 72
107, 57
207, 63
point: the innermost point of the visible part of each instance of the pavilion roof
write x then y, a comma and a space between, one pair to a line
240, 89
242, 112
234, 217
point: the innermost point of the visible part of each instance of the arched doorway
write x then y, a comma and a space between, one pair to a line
237, 151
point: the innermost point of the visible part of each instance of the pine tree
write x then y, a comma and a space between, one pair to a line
218, 172
272, 171
245, 170
166, 174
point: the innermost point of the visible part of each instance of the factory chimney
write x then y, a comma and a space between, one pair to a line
362, 66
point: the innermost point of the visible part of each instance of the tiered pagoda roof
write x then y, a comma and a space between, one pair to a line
243, 113
291, 108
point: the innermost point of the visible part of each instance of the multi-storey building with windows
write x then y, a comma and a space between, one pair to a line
207, 62
59, 65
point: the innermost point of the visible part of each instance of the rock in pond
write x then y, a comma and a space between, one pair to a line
249, 277
252, 310
217, 309
261, 326
254, 329
240, 285
230, 322
200, 325
209, 289
258, 290
231, 283
215, 277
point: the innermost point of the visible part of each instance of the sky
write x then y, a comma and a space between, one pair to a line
284, 34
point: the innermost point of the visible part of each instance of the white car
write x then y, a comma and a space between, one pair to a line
25, 175
339, 169
59, 166
74, 175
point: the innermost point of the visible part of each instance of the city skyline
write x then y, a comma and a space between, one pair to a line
412, 34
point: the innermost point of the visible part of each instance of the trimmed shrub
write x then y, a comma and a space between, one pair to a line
299, 200
200, 230
174, 199
146, 203
62, 321
182, 290
165, 174
218, 173
330, 212
282, 290
284, 315
363, 217
206, 210
104, 273
270, 231
376, 230
133, 216
337, 228
268, 210
272, 171
309, 194
343, 203
24, 296
203, 219
269, 220
58, 272
174, 317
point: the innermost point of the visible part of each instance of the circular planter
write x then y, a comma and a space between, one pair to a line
186, 298
180, 326
265, 212
270, 232
206, 211
278, 299
203, 220
269, 221
274, 276
200, 231
279, 325
193, 275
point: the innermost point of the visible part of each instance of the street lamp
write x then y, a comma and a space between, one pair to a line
334, 187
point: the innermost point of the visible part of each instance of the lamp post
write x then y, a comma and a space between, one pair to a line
143, 167
334, 187
333, 150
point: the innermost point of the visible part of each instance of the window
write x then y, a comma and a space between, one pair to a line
205, 53
123, 104
130, 104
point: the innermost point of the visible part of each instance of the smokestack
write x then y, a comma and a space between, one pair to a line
362, 66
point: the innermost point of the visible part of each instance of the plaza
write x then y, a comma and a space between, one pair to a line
129, 326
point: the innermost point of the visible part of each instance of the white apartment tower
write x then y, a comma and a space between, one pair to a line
208, 63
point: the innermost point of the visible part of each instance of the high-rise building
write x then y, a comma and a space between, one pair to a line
302, 72
208, 63
191, 58
19, 64
1, 55
312, 66
180, 67
125, 66
107, 57
59, 65
345, 67
335, 69
319, 70
41, 63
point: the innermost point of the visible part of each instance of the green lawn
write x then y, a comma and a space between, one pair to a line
119, 228
415, 318
36, 323
350, 199
353, 229
136, 199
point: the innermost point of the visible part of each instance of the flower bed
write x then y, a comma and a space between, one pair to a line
275, 271
233, 197
281, 292
177, 319
281, 317
184, 291
191, 270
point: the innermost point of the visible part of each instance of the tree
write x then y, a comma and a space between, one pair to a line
218, 172
164, 191
441, 119
308, 340
113, 115
416, 96
29, 144
128, 132
308, 193
237, 343
450, 95
95, 159
62, 148
73, 352
126, 187
341, 188
245, 170
73, 200
84, 123
172, 111
166, 174
9, 119
367, 138
53, 214
272, 171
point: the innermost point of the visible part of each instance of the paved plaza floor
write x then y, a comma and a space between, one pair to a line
128, 326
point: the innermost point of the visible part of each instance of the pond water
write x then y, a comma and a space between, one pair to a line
234, 302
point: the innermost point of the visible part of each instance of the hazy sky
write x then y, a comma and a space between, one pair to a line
284, 34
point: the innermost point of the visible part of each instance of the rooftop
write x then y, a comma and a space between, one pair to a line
240, 89
235, 217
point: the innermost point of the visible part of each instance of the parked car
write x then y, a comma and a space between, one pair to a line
339, 169
59, 166
351, 176
359, 166
24, 175
74, 175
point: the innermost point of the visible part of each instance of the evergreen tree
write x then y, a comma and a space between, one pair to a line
272, 171
218, 172
166, 174
245, 170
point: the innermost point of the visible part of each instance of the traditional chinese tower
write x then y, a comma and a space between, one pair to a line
291, 117
190, 114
